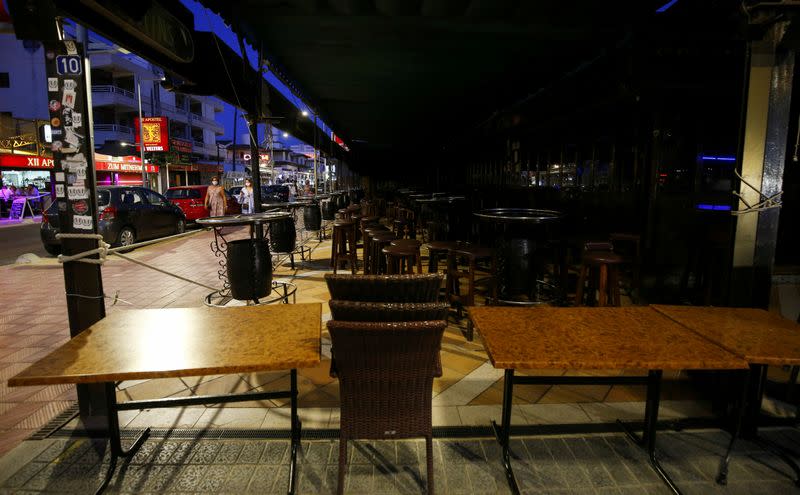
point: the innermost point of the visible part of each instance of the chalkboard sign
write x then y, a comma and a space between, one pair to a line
18, 208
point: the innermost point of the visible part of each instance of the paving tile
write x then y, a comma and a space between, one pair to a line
184, 417
225, 417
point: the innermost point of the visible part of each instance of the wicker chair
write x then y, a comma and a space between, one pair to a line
386, 382
381, 311
384, 288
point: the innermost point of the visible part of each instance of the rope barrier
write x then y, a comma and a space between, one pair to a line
101, 250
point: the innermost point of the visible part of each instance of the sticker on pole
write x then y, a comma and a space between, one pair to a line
68, 65
77, 192
83, 222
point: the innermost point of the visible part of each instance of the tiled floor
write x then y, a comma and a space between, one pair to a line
34, 321
590, 464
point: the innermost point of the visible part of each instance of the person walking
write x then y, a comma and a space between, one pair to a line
246, 197
215, 201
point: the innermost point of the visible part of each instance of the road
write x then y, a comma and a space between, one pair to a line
20, 239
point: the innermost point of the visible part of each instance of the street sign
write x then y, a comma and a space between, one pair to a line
68, 65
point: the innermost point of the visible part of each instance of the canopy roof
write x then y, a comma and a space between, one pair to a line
386, 73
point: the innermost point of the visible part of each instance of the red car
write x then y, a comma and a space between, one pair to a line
190, 199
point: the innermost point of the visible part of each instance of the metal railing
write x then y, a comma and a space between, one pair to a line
109, 88
113, 128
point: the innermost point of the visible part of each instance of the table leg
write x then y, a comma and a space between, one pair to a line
755, 395
295, 431
114, 436
722, 474
648, 439
503, 432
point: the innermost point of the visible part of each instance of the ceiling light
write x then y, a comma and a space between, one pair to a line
305, 113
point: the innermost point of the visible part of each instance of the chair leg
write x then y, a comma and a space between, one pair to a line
429, 456
342, 465
579, 289
603, 290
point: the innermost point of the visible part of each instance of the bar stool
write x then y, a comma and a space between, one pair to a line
343, 247
471, 256
367, 248
437, 249
404, 223
628, 246
411, 244
377, 259
606, 265
400, 260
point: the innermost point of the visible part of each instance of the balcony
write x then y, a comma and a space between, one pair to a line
108, 95
114, 62
112, 132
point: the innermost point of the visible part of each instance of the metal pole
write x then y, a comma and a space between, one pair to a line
316, 184
141, 131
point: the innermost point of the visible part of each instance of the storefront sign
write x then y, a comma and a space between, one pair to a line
155, 131
22, 161
125, 167
198, 167
181, 145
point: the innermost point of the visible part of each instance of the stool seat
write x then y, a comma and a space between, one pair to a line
410, 243
473, 252
443, 245
598, 246
343, 223
603, 257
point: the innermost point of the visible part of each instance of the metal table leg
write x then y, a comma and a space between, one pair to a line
502, 432
648, 439
114, 437
295, 432
722, 474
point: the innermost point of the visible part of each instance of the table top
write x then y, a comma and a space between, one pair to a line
163, 343
593, 338
758, 336
244, 219
519, 215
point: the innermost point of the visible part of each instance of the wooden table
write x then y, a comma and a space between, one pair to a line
609, 338
166, 343
759, 337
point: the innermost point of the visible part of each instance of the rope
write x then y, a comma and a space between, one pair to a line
116, 297
101, 250
164, 271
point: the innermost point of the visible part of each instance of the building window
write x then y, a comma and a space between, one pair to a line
4, 82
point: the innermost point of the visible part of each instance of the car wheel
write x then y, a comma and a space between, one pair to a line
180, 227
53, 249
126, 237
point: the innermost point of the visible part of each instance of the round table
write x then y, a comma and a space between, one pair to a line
219, 246
520, 236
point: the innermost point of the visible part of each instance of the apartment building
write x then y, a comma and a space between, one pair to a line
116, 77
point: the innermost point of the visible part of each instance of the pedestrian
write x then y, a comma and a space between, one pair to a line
246, 197
216, 203
307, 190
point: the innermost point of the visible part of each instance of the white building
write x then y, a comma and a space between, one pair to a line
115, 72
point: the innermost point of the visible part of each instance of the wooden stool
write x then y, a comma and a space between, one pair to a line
369, 230
401, 260
411, 244
377, 259
436, 249
404, 224
628, 246
343, 247
472, 255
606, 263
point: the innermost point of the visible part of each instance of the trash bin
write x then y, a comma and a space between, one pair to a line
249, 269
282, 235
312, 216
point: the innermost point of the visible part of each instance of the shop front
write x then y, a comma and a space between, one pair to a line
21, 171
123, 171
191, 174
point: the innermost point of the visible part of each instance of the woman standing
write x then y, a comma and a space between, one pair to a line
215, 201
246, 197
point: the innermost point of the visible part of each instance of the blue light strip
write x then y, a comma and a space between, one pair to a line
666, 6
719, 158
706, 206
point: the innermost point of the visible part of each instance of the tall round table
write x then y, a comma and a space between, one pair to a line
520, 236
219, 246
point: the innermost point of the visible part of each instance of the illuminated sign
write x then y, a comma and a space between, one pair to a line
156, 133
125, 167
181, 145
22, 161
261, 158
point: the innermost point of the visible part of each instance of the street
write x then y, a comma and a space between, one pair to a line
19, 239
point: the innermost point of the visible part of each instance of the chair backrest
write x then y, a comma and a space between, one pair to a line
387, 311
385, 375
385, 288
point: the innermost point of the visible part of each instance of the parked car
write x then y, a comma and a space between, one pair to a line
126, 214
269, 194
191, 199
